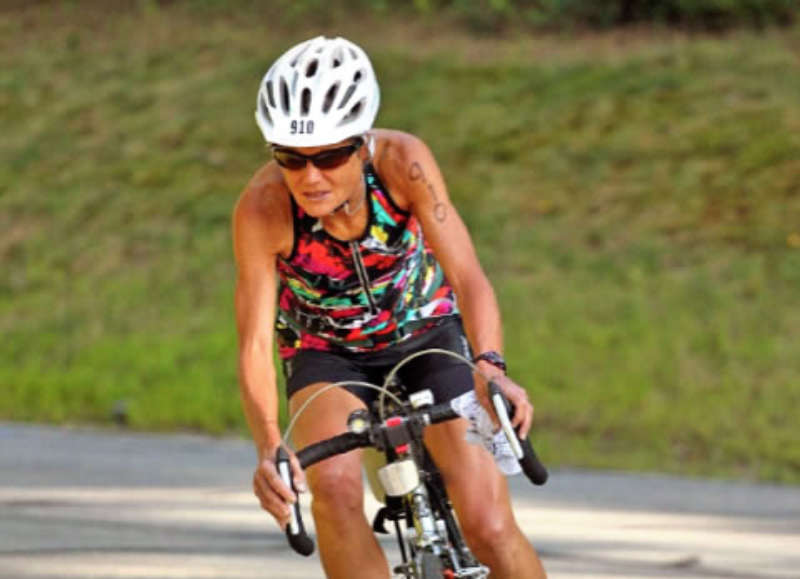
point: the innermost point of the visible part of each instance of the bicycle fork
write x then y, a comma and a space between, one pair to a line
430, 534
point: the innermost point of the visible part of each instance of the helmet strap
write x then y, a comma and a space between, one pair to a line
347, 206
370, 141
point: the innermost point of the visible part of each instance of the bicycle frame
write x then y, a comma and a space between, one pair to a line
413, 490
432, 545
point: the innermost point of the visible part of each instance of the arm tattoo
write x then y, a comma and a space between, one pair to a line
415, 173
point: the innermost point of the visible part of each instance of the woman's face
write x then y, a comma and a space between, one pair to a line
319, 191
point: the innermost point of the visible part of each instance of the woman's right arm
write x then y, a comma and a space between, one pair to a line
257, 240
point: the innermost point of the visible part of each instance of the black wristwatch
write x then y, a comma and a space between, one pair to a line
494, 358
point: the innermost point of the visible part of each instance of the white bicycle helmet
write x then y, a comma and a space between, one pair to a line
319, 92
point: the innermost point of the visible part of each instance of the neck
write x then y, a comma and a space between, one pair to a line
354, 203
350, 207
346, 220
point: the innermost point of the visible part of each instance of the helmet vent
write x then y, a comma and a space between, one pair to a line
319, 92
264, 110
350, 90
354, 113
270, 95
330, 96
284, 96
338, 58
298, 56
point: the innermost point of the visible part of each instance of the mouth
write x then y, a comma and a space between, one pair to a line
316, 195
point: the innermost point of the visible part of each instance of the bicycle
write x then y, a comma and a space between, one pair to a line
407, 480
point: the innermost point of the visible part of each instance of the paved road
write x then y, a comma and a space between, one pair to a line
77, 503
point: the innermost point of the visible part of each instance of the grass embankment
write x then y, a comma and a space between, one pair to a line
635, 200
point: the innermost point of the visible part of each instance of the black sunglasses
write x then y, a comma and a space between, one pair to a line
330, 159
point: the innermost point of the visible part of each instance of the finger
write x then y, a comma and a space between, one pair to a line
277, 483
271, 502
520, 401
298, 475
526, 414
519, 412
523, 415
527, 422
269, 499
272, 482
274, 506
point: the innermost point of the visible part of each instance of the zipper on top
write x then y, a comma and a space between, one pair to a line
361, 272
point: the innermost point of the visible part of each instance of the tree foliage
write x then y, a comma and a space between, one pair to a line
708, 14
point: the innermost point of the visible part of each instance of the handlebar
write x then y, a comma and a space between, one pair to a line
347, 441
295, 530
339, 444
522, 448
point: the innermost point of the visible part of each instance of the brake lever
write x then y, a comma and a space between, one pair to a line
522, 448
295, 530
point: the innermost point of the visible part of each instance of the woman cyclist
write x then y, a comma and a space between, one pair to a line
350, 256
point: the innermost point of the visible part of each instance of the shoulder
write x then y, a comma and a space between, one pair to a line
408, 169
398, 159
263, 213
396, 151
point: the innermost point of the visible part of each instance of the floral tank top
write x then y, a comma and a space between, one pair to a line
361, 295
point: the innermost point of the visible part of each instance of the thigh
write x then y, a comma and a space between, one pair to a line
478, 490
324, 417
309, 375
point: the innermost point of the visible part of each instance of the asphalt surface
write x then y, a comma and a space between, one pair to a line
80, 503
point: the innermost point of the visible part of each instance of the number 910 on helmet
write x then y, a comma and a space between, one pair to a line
319, 92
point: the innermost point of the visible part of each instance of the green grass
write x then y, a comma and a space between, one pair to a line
635, 198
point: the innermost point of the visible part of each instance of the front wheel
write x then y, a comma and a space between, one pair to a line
431, 566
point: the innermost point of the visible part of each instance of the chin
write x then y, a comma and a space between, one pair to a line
318, 210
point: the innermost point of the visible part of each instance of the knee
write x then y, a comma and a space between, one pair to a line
337, 490
488, 532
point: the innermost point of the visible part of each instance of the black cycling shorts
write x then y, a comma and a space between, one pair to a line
445, 376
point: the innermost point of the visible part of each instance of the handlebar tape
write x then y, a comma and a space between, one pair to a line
441, 413
339, 444
523, 450
295, 530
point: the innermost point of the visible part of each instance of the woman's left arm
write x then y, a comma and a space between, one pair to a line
415, 170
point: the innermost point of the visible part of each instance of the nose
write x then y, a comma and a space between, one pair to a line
310, 174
